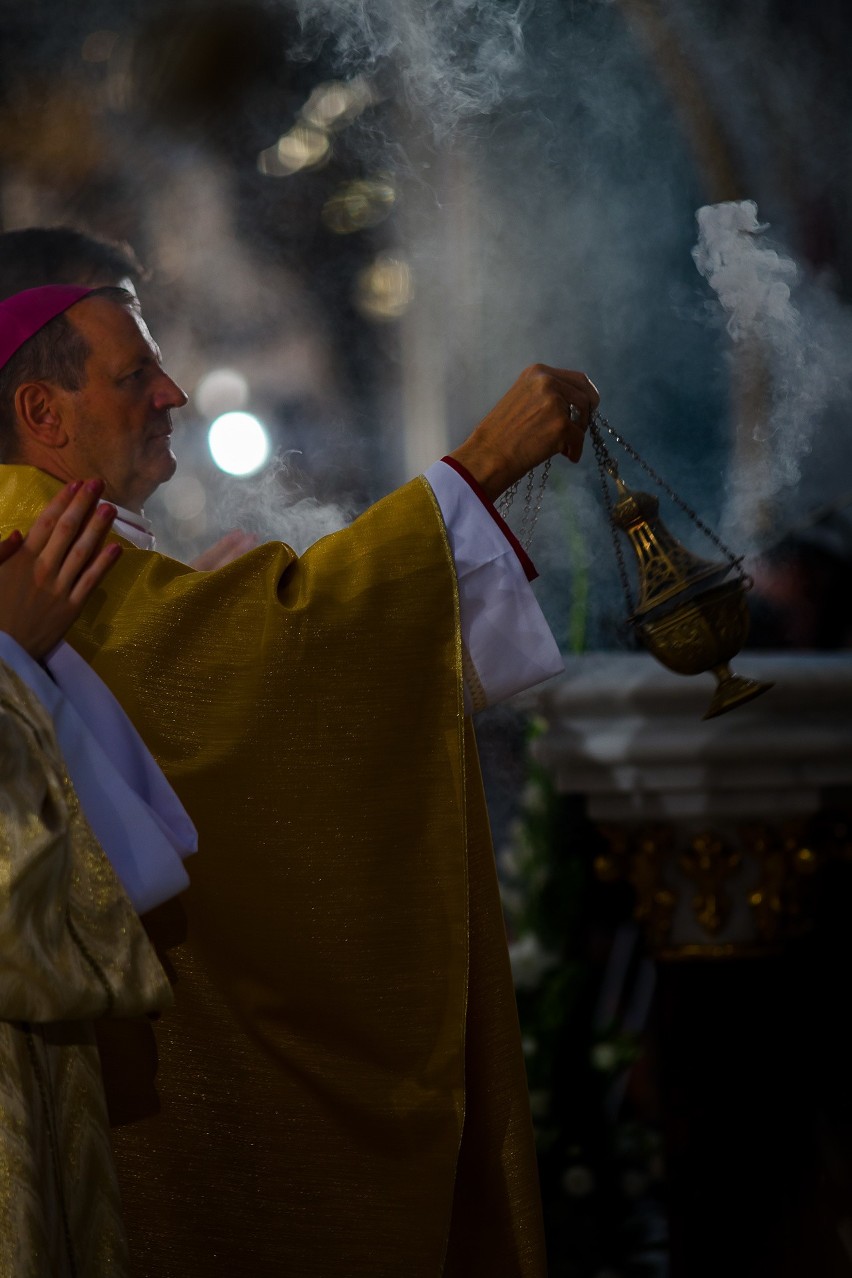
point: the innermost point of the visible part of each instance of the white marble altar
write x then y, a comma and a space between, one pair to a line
708, 817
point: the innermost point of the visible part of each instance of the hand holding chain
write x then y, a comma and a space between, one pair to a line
531, 512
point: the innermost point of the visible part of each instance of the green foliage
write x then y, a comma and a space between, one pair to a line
599, 1166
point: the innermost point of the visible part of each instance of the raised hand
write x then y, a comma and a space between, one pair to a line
546, 412
47, 576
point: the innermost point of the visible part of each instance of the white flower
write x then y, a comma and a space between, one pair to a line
508, 862
529, 961
533, 799
604, 1057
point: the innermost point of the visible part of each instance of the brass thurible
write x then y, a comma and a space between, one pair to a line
691, 613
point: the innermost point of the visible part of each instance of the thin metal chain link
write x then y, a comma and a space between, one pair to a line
606, 466
529, 517
531, 513
504, 505
528, 492
597, 421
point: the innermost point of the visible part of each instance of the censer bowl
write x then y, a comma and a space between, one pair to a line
703, 633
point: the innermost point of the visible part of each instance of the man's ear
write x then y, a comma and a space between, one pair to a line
38, 409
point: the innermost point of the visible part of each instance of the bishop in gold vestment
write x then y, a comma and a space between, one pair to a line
72, 950
341, 1082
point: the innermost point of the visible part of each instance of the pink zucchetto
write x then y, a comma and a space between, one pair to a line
23, 314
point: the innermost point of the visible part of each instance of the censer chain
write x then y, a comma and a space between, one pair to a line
530, 515
599, 420
606, 466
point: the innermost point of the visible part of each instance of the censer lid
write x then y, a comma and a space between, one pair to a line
669, 574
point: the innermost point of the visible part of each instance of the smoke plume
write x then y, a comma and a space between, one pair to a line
791, 352
454, 59
751, 279
275, 507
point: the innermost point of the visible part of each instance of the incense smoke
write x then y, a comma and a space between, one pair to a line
454, 59
275, 506
749, 277
543, 202
789, 357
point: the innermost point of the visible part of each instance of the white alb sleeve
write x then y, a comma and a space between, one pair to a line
507, 645
135, 814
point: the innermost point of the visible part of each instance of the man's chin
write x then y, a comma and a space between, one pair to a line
161, 474
167, 467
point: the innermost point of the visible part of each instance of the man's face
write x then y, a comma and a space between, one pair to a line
119, 424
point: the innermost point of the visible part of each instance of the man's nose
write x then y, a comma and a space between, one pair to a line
168, 394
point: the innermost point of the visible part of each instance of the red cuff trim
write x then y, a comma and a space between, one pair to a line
530, 570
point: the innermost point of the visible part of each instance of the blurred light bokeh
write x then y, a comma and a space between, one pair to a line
359, 226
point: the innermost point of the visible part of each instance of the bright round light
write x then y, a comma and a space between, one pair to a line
238, 443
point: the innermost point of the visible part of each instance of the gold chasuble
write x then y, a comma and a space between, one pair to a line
72, 949
341, 1086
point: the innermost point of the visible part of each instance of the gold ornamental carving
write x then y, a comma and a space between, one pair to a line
691, 615
641, 857
780, 903
774, 867
709, 862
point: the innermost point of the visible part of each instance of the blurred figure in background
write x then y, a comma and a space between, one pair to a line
802, 595
73, 949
